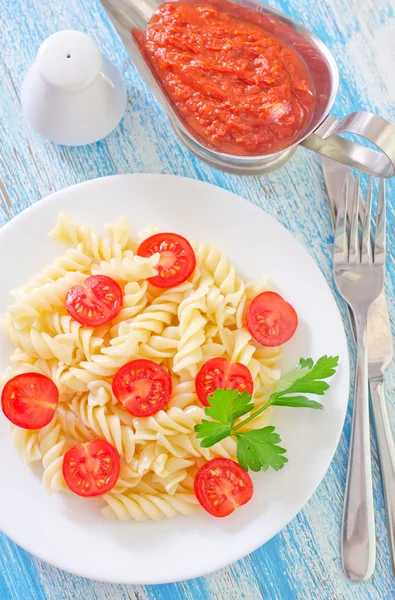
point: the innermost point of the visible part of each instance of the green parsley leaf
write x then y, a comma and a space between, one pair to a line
258, 450
242, 405
228, 405
288, 379
211, 432
296, 402
225, 407
306, 362
307, 377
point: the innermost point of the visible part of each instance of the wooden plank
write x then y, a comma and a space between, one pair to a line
302, 562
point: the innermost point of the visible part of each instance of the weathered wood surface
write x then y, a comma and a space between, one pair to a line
302, 562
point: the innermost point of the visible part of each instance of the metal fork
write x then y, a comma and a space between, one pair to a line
359, 277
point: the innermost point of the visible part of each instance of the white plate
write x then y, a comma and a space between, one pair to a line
63, 530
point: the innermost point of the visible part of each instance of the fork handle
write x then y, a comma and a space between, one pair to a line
358, 527
386, 448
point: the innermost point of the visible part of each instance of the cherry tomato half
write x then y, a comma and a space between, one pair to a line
271, 320
29, 400
94, 302
221, 373
221, 486
91, 469
177, 259
142, 387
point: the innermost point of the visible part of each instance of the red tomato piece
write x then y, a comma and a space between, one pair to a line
91, 469
95, 302
29, 400
221, 486
271, 320
221, 373
142, 387
177, 259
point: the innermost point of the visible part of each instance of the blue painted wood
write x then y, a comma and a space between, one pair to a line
302, 562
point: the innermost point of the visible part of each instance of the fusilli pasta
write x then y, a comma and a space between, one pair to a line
96, 247
179, 328
130, 268
141, 506
52, 444
104, 424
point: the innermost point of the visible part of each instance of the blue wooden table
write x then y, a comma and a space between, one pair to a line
302, 562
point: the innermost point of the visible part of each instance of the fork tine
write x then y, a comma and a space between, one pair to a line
366, 256
379, 244
354, 253
362, 208
340, 249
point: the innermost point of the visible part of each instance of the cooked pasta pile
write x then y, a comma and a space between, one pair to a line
180, 328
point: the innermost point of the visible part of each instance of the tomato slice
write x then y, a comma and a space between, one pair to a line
91, 469
221, 373
95, 302
29, 400
142, 387
177, 259
271, 320
221, 486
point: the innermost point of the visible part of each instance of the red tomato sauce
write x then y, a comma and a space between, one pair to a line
239, 88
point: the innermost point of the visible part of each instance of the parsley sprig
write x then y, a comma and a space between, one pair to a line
259, 449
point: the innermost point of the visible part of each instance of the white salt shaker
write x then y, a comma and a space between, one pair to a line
72, 94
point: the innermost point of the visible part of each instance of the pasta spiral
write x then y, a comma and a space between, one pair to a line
224, 275
74, 261
172, 474
129, 268
105, 424
160, 347
95, 246
42, 345
85, 338
134, 301
26, 442
52, 446
182, 445
120, 234
154, 506
191, 328
183, 395
165, 472
46, 298
174, 420
55, 336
